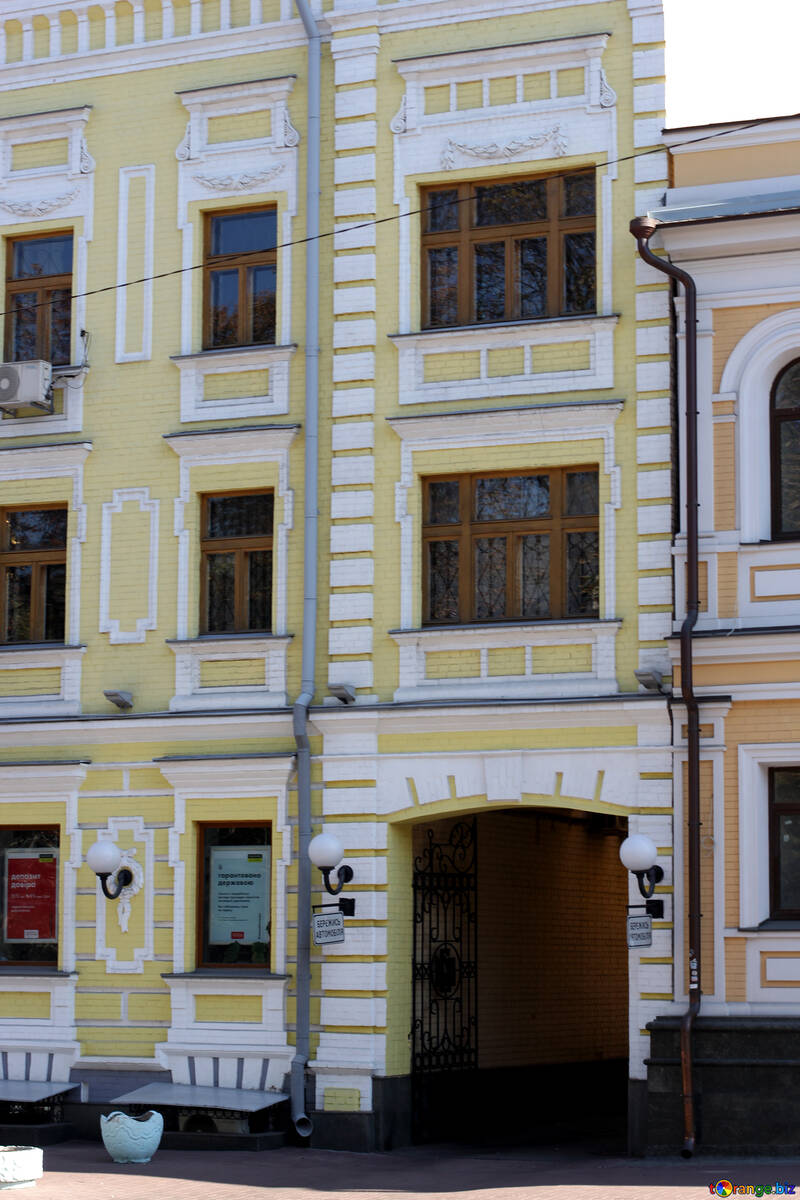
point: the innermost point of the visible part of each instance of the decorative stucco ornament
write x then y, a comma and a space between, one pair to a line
290, 135
608, 97
40, 207
87, 163
237, 183
126, 895
507, 150
184, 147
399, 122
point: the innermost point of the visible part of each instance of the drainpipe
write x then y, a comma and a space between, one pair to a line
643, 229
302, 1123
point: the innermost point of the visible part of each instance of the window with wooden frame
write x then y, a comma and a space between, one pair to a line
33, 573
236, 549
514, 250
233, 901
785, 444
784, 840
29, 890
39, 298
511, 546
240, 278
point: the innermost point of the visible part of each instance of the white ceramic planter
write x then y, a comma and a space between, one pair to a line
131, 1139
20, 1166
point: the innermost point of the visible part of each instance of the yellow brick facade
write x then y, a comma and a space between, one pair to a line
130, 129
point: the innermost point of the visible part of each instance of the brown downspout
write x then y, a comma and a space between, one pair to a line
643, 229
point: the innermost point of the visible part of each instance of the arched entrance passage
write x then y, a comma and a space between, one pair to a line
520, 977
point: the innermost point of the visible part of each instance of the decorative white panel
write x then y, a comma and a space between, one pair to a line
144, 269
109, 624
143, 868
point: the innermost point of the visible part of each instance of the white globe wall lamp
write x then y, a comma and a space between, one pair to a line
639, 853
326, 852
104, 859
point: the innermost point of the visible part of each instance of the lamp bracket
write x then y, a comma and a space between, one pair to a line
124, 879
345, 874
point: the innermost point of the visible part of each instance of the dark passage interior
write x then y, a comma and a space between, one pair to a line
520, 966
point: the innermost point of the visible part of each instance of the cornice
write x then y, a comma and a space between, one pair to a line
497, 422
210, 443
227, 776
58, 457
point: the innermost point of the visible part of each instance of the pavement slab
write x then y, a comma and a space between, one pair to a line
81, 1170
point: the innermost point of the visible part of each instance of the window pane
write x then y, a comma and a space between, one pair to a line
443, 506
531, 276
443, 210
490, 281
23, 326
787, 393
240, 516
238, 233
511, 203
511, 497
443, 581
534, 575
236, 891
579, 195
42, 256
55, 579
443, 285
583, 583
789, 450
261, 288
37, 529
221, 592
18, 603
259, 589
788, 861
579, 272
224, 308
490, 578
581, 497
60, 303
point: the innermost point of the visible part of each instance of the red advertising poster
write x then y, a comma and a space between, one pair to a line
30, 899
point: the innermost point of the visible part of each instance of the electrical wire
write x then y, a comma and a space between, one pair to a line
219, 260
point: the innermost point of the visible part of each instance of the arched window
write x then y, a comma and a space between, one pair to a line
785, 442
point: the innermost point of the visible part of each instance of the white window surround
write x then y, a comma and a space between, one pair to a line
228, 779
66, 459
414, 348
263, 168
66, 702
190, 695
525, 135
65, 191
195, 368
754, 851
570, 422
749, 375
34, 784
416, 644
261, 444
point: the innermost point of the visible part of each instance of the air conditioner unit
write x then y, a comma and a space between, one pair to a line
25, 385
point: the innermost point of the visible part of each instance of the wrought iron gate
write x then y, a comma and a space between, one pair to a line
444, 1031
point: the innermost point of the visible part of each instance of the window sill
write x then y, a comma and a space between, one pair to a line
518, 659
227, 972
517, 358
209, 384
433, 330
32, 971
230, 671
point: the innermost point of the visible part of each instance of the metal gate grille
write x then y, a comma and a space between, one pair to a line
444, 1031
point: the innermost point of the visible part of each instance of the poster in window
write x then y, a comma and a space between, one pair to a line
30, 895
238, 895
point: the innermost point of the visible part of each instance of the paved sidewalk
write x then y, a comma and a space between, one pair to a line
83, 1171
